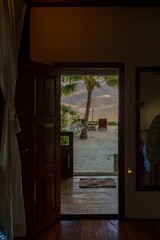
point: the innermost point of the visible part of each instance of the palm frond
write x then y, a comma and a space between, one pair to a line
69, 83
76, 78
70, 79
98, 85
111, 81
68, 89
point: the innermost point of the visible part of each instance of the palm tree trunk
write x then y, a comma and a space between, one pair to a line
84, 130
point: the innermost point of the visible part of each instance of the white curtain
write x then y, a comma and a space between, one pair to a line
12, 217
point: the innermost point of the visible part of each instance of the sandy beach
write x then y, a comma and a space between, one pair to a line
90, 155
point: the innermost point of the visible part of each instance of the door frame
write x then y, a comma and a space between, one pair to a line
95, 3
73, 66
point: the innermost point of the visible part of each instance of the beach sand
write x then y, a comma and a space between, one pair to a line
90, 155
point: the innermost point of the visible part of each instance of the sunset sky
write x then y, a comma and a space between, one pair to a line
106, 98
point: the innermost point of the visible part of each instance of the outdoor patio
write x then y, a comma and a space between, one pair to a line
90, 155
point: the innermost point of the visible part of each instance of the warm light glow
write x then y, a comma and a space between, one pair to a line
129, 170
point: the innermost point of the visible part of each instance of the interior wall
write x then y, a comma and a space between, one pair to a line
105, 34
150, 95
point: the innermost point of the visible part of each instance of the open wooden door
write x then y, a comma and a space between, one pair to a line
38, 108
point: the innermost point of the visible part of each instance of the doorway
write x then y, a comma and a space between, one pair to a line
93, 201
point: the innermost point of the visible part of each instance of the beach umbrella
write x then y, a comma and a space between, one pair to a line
94, 105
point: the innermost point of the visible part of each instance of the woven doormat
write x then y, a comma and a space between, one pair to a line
96, 182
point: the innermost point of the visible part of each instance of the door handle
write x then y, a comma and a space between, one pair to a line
68, 160
24, 150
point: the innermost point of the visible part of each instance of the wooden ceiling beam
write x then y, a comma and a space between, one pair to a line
92, 3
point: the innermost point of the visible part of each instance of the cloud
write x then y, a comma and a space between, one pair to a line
108, 106
80, 90
107, 99
104, 96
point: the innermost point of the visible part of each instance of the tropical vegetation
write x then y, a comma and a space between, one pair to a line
69, 85
110, 123
68, 117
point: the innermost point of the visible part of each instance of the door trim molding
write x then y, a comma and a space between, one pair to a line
94, 3
68, 66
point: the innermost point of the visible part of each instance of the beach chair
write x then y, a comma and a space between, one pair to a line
102, 124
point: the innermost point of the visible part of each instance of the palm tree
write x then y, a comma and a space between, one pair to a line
69, 85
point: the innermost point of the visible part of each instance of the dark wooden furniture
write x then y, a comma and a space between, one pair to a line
102, 124
67, 156
92, 126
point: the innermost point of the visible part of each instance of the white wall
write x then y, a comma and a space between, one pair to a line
105, 34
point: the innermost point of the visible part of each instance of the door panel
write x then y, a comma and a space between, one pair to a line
46, 92
46, 143
29, 190
47, 195
26, 139
49, 97
38, 107
25, 96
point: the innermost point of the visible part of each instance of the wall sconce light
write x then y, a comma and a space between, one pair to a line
129, 171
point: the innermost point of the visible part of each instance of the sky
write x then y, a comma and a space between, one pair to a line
106, 99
